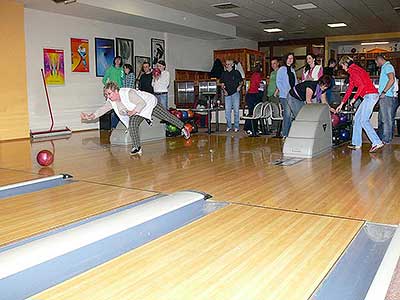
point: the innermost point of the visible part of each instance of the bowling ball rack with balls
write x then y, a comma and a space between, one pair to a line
342, 128
187, 117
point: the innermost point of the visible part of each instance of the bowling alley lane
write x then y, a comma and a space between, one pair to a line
11, 176
29, 214
238, 252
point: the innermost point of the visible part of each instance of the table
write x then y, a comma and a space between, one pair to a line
209, 110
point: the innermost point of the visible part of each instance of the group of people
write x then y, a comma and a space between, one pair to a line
132, 106
316, 85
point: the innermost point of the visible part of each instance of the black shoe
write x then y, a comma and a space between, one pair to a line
136, 151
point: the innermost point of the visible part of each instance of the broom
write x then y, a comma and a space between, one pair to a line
52, 132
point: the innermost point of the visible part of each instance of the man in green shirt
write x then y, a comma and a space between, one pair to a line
272, 91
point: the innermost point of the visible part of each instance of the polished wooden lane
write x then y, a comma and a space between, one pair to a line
236, 168
29, 214
11, 176
238, 252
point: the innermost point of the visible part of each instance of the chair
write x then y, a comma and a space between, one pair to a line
257, 115
266, 115
276, 115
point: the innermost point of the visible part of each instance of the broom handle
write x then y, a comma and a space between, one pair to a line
48, 101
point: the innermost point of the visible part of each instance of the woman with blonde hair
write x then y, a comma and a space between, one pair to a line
359, 78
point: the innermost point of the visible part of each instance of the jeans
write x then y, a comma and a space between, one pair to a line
295, 106
114, 120
287, 119
232, 101
387, 111
163, 99
252, 100
361, 121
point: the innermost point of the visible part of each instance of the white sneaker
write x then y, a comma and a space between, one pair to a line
185, 133
228, 129
236, 130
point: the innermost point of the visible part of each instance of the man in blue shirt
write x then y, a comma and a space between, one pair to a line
387, 100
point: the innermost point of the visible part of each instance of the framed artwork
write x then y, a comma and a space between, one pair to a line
104, 55
139, 60
53, 60
79, 55
157, 51
125, 50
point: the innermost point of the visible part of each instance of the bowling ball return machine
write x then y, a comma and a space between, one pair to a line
311, 132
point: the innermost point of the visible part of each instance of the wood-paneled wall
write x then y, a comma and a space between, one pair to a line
14, 118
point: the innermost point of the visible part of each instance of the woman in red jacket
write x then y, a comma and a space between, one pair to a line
253, 97
359, 78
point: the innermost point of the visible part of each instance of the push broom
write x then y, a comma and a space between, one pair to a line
52, 132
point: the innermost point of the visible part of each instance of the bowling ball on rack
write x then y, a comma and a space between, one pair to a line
343, 119
335, 120
190, 113
170, 128
45, 158
189, 127
184, 114
178, 114
344, 135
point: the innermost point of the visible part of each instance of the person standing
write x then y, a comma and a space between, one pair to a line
312, 70
161, 83
114, 73
145, 78
304, 93
330, 70
129, 80
387, 101
133, 107
231, 84
253, 97
273, 91
285, 80
359, 78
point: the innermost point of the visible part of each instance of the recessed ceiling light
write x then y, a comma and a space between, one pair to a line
335, 25
374, 43
270, 30
228, 15
304, 6
226, 5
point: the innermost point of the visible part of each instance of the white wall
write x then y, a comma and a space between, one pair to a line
83, 91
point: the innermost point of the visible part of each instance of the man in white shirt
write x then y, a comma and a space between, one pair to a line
161, 83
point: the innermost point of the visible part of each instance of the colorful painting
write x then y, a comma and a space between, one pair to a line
104, 55
79, 55
53, 66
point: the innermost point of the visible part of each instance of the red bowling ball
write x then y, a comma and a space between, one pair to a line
335, 120
156, 72
45, 158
